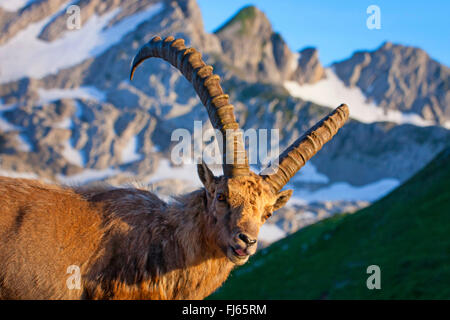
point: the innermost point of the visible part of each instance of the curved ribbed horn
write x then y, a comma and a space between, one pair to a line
304, 148
207, 85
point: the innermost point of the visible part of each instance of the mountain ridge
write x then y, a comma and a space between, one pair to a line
415, 82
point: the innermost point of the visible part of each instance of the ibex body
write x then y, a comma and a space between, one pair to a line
129, 244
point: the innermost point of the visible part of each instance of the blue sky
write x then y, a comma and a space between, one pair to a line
338, 28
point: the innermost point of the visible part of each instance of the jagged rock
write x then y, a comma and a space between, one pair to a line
56, 28
380, 149
12, 23
360, 154
309, 69
253, 50
401, 78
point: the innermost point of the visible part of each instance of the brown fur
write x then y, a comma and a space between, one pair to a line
128, 243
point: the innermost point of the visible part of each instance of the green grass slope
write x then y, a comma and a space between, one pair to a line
407, 234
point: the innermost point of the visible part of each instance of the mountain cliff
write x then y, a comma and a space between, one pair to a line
257, 53
401, 78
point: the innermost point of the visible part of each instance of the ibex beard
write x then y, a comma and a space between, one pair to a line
128, 243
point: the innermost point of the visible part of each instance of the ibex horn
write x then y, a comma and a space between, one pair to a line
304, 148
207, 85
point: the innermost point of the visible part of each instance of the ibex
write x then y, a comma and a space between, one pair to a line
129, 244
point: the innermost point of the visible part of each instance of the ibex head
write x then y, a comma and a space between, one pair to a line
240, 201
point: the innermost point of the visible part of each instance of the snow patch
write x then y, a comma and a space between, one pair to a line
187, 172
73, 155
296, 201
270, 232
27, 56
344, 191
129, 153
14, 5
87, 93
87, 175
66, 123
332, 91
309, 174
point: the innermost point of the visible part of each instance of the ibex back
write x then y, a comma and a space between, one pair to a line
124, 243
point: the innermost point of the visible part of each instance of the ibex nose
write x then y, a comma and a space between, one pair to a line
246, 239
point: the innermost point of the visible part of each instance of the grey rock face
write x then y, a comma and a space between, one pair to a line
401, 78
309, 69
256, 53
11, 22
360, 153
363, 153
98, 132
57, 26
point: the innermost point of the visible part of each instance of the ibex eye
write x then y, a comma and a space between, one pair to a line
220, 197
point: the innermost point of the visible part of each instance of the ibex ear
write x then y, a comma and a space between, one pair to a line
283, 197
206, 177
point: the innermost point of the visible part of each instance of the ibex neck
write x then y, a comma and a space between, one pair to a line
204, 267
193, 228
170, 248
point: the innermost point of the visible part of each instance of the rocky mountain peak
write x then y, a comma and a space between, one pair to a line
387, 45
248, 22
309, 68
191, 11
399, 77
256, 52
